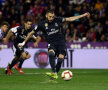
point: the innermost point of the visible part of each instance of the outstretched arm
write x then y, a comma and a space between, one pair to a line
27, 38
38, 39
78, 17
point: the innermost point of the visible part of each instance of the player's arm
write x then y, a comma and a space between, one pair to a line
38, 39
34, 37
0, 48
27, 38
6, 39
77, 17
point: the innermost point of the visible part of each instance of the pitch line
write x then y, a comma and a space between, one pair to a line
25, 74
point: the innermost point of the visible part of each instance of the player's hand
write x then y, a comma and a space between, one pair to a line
87, 15
35, 44
0, 48
21, 44
5, 41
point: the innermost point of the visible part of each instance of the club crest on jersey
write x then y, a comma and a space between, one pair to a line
46, 25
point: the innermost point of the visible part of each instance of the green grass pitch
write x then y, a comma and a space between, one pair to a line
35, 79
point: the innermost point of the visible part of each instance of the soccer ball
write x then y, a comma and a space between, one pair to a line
66, 75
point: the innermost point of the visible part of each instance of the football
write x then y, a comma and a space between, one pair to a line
66, 75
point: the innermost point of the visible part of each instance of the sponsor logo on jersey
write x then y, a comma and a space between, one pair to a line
53, 31
46, 24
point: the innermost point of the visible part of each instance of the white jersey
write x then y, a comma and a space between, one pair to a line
1, 34
14, 30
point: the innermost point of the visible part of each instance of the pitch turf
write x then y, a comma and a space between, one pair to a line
35, 79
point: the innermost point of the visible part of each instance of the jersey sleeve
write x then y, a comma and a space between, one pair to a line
61, 19
1, 35
15, 30
37, 28
35, 35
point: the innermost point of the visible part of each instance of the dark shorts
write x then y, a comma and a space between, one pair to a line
59, 48
18, 51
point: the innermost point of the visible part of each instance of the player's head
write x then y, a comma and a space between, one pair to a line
28, 23
4, 26
50, 15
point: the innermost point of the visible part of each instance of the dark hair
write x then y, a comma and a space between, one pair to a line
28, 20
50, 11
4, 23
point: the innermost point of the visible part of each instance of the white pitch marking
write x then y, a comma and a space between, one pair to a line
25, 74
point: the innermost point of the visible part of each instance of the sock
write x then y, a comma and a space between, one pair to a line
13, 63
52, 61
59, 62
20, 63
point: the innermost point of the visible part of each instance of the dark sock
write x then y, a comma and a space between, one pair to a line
52, 61
59, 62
13, 63
20, 62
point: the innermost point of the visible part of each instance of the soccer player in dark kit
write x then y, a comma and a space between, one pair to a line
19, 64
20, 34
56, 42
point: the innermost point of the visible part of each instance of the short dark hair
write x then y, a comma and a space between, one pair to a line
28, 20
50, 11
4, 23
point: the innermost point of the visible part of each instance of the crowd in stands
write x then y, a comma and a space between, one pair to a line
94, 29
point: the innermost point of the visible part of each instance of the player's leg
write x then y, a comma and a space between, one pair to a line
9, 67
51, 53
62, 50
52, 56
14, 61
17, 53
19, 64
53, 75
21, 60
59, 62
24, 56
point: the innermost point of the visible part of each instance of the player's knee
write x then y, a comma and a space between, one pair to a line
51, 54
23, 56
60, 60
61, 56
28, 56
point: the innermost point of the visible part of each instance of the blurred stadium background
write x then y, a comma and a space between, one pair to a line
87, 42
